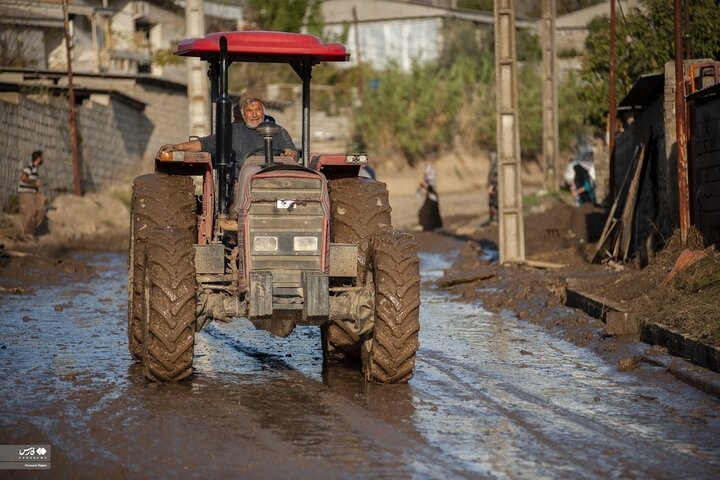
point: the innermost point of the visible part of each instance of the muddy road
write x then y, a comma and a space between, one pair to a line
492, 397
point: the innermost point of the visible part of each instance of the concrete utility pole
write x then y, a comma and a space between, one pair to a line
512, 233
550, 105
681, 129
197, 88
77, 172
361, 80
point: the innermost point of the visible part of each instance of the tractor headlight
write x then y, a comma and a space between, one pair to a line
356, 158
265, 244
305, 244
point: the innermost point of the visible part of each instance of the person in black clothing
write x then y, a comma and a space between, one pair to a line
492, 189
429, 214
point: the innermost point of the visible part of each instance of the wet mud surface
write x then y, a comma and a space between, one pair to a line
492, 396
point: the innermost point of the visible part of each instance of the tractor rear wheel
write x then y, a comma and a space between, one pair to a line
158, 200
359, 209
170, 298
388, 351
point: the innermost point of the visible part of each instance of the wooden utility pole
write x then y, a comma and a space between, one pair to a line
77, 172
511, 234
681, 129
199, 115
550, 106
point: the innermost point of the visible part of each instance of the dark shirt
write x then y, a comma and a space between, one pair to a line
247, 140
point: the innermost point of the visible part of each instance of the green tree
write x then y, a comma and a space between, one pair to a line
285, 15
644, 42
279, 16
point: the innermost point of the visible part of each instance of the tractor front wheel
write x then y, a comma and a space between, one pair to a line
169, 312
158, 200
388, 351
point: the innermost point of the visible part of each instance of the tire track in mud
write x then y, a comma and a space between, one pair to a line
352, 403
623, 449
555, 412
271, 360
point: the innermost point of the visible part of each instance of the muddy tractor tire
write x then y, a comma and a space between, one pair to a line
157, 201
359, 209
169, 318
388, 351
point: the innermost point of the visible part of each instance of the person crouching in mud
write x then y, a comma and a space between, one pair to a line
429, 214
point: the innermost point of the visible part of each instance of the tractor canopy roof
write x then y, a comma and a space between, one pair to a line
267, 47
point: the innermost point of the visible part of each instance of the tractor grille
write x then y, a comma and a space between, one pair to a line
286, 228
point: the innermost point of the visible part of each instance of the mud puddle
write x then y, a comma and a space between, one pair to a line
492, 396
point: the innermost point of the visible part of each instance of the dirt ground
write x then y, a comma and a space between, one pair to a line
564, 236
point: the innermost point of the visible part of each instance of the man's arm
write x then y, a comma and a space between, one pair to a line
25, 178
289, 148
189, 146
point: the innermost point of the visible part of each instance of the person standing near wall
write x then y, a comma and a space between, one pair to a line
32, 201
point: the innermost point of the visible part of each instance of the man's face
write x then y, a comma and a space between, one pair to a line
253, 114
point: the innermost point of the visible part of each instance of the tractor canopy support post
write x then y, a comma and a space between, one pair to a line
223, 140
213, 68
304, 71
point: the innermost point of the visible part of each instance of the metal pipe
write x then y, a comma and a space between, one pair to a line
681, 129
223, 139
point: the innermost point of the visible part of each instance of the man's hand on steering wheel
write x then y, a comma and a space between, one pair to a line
288, 152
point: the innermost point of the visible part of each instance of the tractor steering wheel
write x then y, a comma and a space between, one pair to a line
261, 151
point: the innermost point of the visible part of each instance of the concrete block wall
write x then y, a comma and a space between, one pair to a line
671, 138
29, 125
704, 162
118, 136
112, 141
167, 112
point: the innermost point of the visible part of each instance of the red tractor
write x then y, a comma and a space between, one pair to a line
305, 243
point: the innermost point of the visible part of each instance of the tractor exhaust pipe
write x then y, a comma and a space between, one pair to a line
267, 130
223, 140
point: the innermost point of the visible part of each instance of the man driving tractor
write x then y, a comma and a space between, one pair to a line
245, 139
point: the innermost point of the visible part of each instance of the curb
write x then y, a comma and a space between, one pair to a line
701, 374
698, 377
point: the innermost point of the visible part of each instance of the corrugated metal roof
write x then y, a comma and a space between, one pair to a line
644, 91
